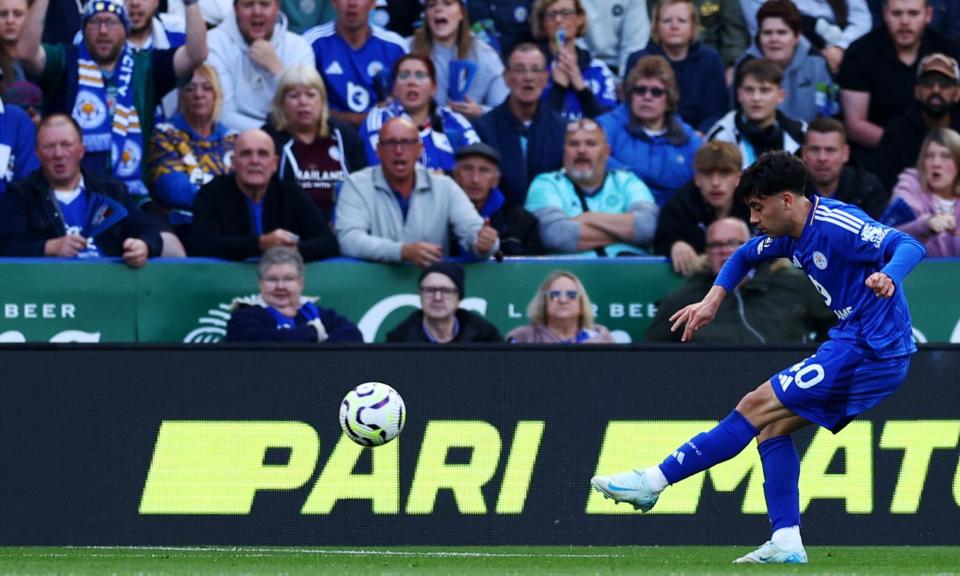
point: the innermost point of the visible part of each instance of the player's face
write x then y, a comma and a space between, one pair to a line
940, 169
585, 152
60, 151
477, 176
825, 154
399, 149
444, 18
676, 25
561, 15
413, 87
723, 239
777, 41
526, 76
906, 20
281, 286
256, 18
768, 214
438, 296
759, 100
140, 13
105, 37
12, 15
353, 14
718, 186
563, 307
648, 101
302, 105
197, 98
254, 159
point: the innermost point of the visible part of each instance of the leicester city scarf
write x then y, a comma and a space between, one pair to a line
120, 134
89, 215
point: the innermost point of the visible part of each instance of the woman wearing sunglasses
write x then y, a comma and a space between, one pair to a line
646, 134
561, 313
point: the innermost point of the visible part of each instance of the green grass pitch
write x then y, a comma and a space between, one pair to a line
529, 560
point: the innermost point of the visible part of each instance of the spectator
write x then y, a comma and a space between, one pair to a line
250, 51
587, 209
280, 313
111, 90
504, 21
350, 54
698, 67
478, 172
399, 211
302, 16
528, 136
829, 26
878, 73
561, 313
647, 135
758, 126
776, 306
616, 30
150, 29
935, 106
244, 214
446, 38
725, 30
442, 131
681, 229
809, 87
827, 154
946, 17
17, 142
191, 150
316, 150
17, 89
930, 191
440, 319
62, 211
578, 85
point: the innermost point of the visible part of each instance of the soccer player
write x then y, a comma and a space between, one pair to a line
858, 266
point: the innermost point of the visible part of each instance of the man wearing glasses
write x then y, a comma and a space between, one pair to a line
585, 208
777, 304
529, 136
440, 319
401, 212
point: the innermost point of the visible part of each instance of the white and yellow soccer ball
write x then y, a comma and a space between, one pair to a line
372, 414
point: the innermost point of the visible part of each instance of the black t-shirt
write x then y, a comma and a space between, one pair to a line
871, 65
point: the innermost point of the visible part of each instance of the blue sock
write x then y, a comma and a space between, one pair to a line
781, 473
723, 442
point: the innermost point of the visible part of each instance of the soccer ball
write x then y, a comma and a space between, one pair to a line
372, 414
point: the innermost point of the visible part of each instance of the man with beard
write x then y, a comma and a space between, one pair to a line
111, 90
585, 208
937, 92
879, 72
149, 29
827, 154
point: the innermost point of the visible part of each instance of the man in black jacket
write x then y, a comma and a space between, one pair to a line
241, 215
60, 211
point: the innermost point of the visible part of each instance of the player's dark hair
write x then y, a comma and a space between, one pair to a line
773, 173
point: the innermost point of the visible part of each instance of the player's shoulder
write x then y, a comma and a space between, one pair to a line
836, 217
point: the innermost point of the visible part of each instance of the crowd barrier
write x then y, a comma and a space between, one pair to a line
240, 445
176, 301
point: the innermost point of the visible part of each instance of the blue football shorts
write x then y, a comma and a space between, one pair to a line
838, 382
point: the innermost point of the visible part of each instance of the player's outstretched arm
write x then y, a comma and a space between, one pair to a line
695, 316
903, 253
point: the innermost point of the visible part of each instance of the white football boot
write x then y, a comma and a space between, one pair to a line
630, 487
771, 553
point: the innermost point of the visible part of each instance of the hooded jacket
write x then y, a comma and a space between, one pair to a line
810, 88
248, 88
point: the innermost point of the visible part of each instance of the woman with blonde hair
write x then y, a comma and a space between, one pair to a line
445, 37
931, 192
192, 148
561, 313
315, 149
579, 85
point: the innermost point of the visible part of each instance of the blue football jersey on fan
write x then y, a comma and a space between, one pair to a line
348, 73
439, 146
839, 248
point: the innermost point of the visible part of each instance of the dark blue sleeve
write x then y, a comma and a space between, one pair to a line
339, 329
254, 324
164, 75
25, 149
902, 253
15, 238
714, 103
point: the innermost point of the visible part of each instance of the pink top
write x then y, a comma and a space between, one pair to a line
924, 205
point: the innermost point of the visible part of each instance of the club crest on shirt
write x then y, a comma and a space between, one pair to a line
374, 67
874, 234
819, 260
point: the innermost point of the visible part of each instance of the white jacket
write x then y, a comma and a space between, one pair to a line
616, 29
247, 88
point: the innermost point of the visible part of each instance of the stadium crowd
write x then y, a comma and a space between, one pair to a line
424, 130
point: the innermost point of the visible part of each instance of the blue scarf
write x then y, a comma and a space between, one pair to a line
309, 311
89, 215
120, 134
